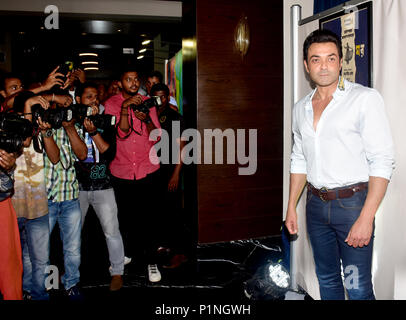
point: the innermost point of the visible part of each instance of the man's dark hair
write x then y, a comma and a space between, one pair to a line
132, 67
322, 36
157, 74
8, 75
81, 88
159, 87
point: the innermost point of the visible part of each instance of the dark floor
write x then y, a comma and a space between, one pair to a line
213, 278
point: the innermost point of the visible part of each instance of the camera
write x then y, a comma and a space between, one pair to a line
80, 112
11, 142
14, 124
103, 121
13, 131
54, 117
64, 68
154, 101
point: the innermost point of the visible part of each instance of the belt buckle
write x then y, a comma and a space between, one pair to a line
322, 193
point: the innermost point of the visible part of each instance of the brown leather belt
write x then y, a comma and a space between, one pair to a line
337, 193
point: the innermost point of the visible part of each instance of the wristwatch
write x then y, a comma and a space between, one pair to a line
47, 134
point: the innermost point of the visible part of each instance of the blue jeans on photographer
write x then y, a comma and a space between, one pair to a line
105, 207
34, 236
328, 225
69, 217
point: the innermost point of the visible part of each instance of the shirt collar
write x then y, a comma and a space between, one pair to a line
337, 95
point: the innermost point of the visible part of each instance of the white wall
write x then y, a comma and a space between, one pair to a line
307, 11
121, 7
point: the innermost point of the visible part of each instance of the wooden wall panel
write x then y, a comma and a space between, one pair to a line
241, 94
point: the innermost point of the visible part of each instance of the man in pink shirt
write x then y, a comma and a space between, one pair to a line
135, 171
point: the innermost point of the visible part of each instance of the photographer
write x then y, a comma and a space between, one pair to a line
10, 249
31, 205
95, 182
62, 147
134, 171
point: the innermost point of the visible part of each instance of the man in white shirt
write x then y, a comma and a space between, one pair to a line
343, 151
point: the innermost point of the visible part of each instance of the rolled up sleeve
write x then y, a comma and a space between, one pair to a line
377, 137
298, 162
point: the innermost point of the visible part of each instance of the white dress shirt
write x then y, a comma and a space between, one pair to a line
352, 141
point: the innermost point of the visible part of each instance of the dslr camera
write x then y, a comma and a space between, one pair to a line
14, 129
54, 117
80, 112
103, 121
144, 107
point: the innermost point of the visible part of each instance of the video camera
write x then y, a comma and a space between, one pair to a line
13, 131
154, 101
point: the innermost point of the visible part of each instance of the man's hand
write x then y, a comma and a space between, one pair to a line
89, 125
137, 100
173, 183
360, 233
42, 125
7, 160
53, 79
140, 115
68, 124
80, 75
63, 100
36, 100
291, 221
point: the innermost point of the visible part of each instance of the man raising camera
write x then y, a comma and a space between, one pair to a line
95, 182
135, 171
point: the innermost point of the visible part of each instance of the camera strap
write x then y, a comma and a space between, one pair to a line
130, 131
37, 143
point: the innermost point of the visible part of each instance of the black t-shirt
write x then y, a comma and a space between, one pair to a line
93, 173
172, 122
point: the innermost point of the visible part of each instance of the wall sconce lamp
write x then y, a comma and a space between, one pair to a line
242, 36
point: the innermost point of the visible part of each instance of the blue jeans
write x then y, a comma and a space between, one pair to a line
328, 225
67, 214
34, 236
104, 204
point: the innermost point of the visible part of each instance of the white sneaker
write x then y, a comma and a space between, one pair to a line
153, 273
127, 260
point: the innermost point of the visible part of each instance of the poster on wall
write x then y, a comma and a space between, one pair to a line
354, 25
174, 80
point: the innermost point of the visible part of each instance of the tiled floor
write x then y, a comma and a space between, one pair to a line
214, 276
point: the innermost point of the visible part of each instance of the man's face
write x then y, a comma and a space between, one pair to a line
89, 97
130, 83
150, 82
323, 64
114, 88
163, 96
12, 86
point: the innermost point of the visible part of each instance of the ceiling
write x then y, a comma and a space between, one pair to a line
35, 50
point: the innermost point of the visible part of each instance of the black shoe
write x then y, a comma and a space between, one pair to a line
74, 294
26, 295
